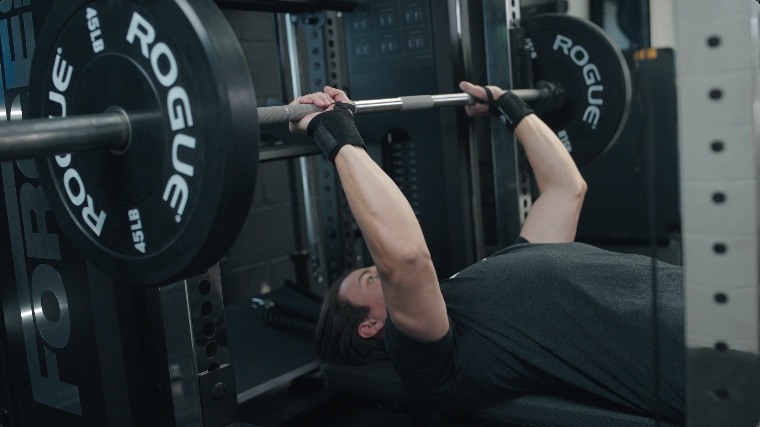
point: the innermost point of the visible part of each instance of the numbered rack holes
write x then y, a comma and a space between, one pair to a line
721, 298
720, 248
207, 308
713, 41
211, 349
204, 287
209, 329
719, 197
721, 346
716, 94
717, 146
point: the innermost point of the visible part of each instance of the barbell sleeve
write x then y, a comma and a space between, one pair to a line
47, 137
111, 130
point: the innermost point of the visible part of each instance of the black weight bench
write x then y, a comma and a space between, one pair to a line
379, 381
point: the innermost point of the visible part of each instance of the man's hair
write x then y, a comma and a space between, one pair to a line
337, 337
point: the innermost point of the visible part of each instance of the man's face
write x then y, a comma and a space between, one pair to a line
362, 288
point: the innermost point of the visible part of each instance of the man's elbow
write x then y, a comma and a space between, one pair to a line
581, 188
579, 192
406, 261
413, 257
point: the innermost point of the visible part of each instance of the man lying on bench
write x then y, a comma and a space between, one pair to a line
541, 316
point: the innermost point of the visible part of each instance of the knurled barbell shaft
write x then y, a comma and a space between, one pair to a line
291, 113
111, 130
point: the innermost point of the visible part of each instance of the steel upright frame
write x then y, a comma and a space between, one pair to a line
512, 181
718, 71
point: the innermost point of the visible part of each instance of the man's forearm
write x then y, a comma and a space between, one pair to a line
552, 165
553, 218
387, 221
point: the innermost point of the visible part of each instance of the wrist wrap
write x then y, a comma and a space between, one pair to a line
509, 108
335, 128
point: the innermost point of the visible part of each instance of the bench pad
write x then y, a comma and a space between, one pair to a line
380, 381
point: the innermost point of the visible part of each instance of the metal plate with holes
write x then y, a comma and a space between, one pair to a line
173, 201
581, 59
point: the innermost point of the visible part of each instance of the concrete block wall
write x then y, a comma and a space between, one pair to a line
255, 34
259, 260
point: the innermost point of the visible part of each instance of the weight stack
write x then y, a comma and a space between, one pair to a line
401, 48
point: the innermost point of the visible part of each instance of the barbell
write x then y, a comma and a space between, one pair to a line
112, 130
150, 159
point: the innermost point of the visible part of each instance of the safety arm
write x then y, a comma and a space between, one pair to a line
395, 241
553, 218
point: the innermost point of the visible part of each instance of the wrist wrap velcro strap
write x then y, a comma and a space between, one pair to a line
347, 106
492, 110
509, 108
335, 128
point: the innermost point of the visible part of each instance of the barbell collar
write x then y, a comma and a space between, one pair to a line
46, 137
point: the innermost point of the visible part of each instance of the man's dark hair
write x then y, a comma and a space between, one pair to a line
337, 337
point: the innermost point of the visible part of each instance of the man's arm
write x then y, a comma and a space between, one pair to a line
553, 218
397, 246
392, 232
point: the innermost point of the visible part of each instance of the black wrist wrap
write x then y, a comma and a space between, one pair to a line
509, 108
335, 128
